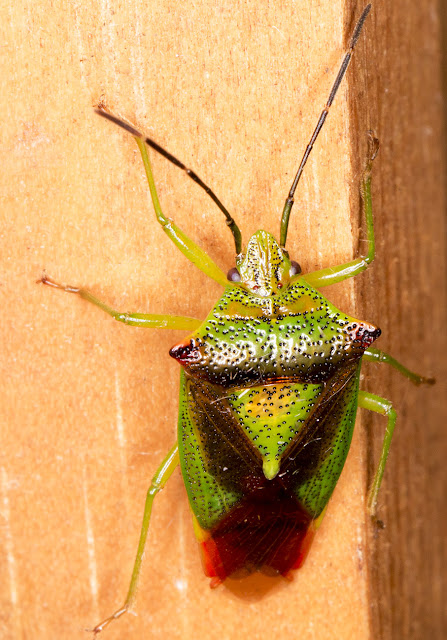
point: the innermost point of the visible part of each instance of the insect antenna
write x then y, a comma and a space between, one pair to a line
340, 75
156, 147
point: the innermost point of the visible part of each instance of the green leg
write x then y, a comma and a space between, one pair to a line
331, 275
385, 408
189, 248
189, 172
192, 251
159, 480
374, 355
147, 320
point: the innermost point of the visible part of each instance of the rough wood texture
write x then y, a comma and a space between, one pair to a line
405, 294
89, 406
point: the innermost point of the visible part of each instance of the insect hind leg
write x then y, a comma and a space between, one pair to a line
380, 357
164, 472
384, 407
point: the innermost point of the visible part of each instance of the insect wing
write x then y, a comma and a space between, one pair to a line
260, 464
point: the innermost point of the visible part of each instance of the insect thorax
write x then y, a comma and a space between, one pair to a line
294, 335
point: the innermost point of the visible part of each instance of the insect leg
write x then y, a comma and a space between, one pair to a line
189, 248
375, 355
331, 275
384, 407
159, 480
147, 320
189, 172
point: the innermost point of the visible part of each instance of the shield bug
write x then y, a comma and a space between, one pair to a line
269, 390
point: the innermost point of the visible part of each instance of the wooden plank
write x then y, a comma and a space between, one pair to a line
234, 89
399, 95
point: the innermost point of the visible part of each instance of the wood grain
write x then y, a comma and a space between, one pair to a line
89, 406
400, 97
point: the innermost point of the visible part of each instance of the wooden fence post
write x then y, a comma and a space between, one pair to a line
89, 406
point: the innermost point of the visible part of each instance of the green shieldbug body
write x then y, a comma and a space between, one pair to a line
269, 391
267, 409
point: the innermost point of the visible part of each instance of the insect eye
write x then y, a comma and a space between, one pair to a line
233, 275
295, 268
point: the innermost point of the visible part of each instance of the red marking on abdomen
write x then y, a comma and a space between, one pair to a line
269, 531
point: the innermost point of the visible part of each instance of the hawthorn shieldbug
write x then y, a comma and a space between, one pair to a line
269, 390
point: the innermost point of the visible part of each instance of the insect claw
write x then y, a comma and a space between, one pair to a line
52, 283
373, 146
46, 280
105, 623
378, 524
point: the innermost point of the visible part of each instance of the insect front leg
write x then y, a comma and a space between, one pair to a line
375, 355
164, 472
189, 248
146, 320
385, 408
331, 275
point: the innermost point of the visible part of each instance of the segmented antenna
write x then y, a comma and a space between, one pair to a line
156, 147
344, 65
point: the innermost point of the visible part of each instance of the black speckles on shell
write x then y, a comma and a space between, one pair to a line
297, 334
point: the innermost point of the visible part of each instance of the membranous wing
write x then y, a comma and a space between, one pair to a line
279, 436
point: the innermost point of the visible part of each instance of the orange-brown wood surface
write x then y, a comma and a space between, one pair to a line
89, 406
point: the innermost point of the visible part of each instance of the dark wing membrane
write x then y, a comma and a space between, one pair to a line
219, 464
270, 528
312, 465
218, 416
256, 524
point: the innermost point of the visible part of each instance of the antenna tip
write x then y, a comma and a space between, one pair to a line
359, 26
